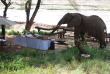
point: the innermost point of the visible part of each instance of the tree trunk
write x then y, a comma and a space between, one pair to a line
29, 23
3, 26
28, 26
3, 31
27, 9
5, 11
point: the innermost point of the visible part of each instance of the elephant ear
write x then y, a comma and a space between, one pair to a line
75, 20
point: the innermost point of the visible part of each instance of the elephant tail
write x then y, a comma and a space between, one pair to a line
105, 32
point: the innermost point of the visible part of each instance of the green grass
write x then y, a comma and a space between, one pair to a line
66, 61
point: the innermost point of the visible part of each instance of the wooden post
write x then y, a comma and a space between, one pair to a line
3, 31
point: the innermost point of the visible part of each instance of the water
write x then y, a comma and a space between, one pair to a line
51, 17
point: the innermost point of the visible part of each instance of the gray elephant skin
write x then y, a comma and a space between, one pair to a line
92, 25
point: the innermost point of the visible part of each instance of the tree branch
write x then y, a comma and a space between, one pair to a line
27, 9
9, 3
35, 11
6, 4
74, 4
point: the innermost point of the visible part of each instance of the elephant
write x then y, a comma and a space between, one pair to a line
92, 25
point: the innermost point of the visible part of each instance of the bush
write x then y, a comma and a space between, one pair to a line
12, 32
25, 31
33, 32
0, 32
43, 33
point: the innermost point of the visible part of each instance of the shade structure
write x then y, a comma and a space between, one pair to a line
5, 21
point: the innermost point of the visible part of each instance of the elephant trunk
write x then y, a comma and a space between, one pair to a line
58, 25
54, 29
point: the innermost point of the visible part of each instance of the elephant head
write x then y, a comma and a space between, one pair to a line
71, 19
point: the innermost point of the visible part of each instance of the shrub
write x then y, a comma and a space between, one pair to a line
12, 32
0, 32
25, 31
33, 32
43, 33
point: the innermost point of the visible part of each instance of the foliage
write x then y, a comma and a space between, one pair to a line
64, 61
0, 32
25, 31
22, 2
74, 4
43, 33
33, 32
12, 32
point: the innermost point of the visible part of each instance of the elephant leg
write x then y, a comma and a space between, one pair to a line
82, 36
102, 43
77, 37
77, 33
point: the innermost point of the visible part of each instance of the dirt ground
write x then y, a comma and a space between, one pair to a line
69, 42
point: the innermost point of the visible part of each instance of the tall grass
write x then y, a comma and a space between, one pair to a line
66, 61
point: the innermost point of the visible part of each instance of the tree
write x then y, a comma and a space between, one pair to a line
29, 21
7, 4
74, 4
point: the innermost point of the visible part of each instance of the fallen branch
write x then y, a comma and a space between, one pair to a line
47, 28
61, 32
